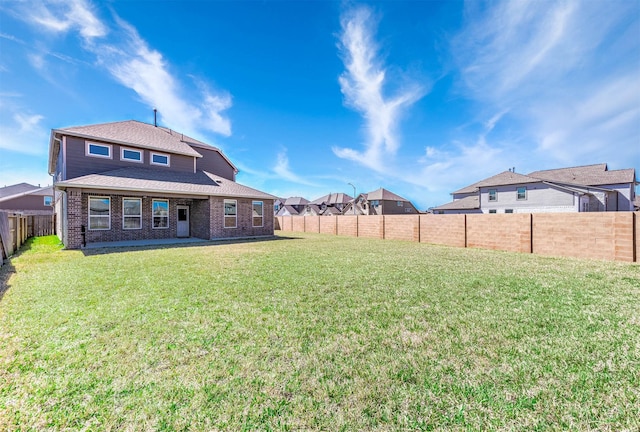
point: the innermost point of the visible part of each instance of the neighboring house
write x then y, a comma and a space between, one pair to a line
590, 188
379, 202
327, 205
27, 199
292, 206
133, 181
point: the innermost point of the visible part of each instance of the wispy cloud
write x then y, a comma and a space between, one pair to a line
561, 69
22, 132
189, 106
284, 172
362, 85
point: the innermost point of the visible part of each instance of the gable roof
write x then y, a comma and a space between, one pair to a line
466, 203
383, 194
291, 201
16, 189
136, 133
38, 191
502, 179
332, 198
134, 179
587, 175
287, 209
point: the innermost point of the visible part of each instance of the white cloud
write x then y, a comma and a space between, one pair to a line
362, 85
132, 62
283, 171
22, 132
63, 16
565, 71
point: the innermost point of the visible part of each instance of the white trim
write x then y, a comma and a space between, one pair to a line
122, 158
131, 216
153, 216
261, 216
88, 145
108, 217
168, 156
235, 217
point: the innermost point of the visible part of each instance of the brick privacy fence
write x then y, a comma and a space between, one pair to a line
610, 236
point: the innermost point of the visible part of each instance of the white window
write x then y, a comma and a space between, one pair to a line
508, 211
257, 213
131, 155
399, 203
375, 203
98, 150
48, 200
230, 213
522, 193
160, 159
99, 213
160, 210
492, 211
493, 195
131, 213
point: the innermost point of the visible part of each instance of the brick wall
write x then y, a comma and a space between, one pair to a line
244, 223
298, 224
328, 224
347, 225
448, 230
312, 224
371, 226
400, 227
510, 232
605, 236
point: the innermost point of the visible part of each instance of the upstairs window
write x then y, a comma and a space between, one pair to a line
98, 150
160, 209
375, 203
131, 155
48, 200
99, 213
160, 159
399, 203
257, 213
230, 213
522, 193
493, 195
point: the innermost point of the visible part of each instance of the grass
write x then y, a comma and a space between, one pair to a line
317, 332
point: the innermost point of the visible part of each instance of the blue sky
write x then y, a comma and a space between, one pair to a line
420, 97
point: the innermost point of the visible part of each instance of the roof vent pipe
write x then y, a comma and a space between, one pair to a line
155, 117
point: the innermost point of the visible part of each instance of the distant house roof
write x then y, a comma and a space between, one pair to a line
331, 211
332, 199
154, 181
383, 194
39, 191
291, 201
502, 179
287, 209
588, 175
466, 203
16, 189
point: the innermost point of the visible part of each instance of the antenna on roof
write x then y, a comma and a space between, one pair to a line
155, 117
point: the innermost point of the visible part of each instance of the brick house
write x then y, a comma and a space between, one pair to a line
379, 202
589, 188
134, 181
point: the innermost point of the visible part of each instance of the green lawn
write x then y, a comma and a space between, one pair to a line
317, 332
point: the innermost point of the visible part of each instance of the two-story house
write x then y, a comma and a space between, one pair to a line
327, 205
379, 202
27, 199
589, 188
292, 206
133, 181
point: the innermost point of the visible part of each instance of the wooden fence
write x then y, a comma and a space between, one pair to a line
613, 236
16, 228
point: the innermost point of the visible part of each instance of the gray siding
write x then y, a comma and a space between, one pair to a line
213, 162
540, 197
26, 203
79, 164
